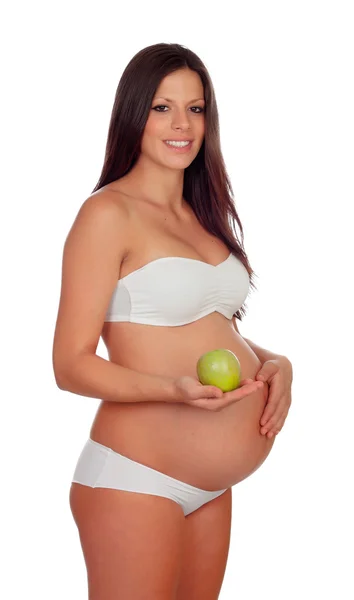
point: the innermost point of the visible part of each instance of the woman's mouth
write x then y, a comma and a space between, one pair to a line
178, 146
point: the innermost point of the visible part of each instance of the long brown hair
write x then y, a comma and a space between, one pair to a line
206, 187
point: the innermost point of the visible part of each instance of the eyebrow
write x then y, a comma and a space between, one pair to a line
169, 100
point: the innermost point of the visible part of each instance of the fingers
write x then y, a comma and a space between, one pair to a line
243, 391
275, 424
214, 399
204, 391
209, 391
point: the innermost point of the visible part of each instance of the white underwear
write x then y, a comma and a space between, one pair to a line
99, 466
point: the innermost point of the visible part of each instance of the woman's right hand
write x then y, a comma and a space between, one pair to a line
190, 391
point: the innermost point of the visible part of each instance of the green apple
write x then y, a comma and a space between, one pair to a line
220, 368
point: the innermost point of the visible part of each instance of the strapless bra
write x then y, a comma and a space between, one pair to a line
173, 291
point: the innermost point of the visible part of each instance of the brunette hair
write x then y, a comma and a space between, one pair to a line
206, 187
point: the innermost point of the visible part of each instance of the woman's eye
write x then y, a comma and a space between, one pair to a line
200, 109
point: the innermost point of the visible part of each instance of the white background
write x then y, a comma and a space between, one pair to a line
283, 76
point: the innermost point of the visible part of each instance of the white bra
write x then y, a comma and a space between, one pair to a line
174, 291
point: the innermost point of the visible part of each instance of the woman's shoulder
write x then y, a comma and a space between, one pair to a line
106, 204
102, 213
128, 205
110, 200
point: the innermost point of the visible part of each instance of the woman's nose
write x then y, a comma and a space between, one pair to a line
180, 121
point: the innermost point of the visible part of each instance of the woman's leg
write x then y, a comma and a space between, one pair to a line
132, 543
126, 511
206, 547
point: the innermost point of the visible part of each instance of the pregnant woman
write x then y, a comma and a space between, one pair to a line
152, 264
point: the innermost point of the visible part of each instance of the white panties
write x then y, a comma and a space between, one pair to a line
99, 466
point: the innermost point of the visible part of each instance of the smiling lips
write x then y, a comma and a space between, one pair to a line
179, 145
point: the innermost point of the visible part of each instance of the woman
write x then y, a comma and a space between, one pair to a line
152, 265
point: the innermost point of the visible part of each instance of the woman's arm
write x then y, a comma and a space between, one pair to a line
93, 252
93, 376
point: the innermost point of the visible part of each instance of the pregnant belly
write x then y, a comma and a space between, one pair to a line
208, 449
220, 449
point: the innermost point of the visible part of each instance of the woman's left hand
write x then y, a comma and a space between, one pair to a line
278, 373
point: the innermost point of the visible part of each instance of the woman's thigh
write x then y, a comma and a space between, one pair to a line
132, 543
206, 546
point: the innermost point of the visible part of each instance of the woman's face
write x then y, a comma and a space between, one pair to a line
177, 113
